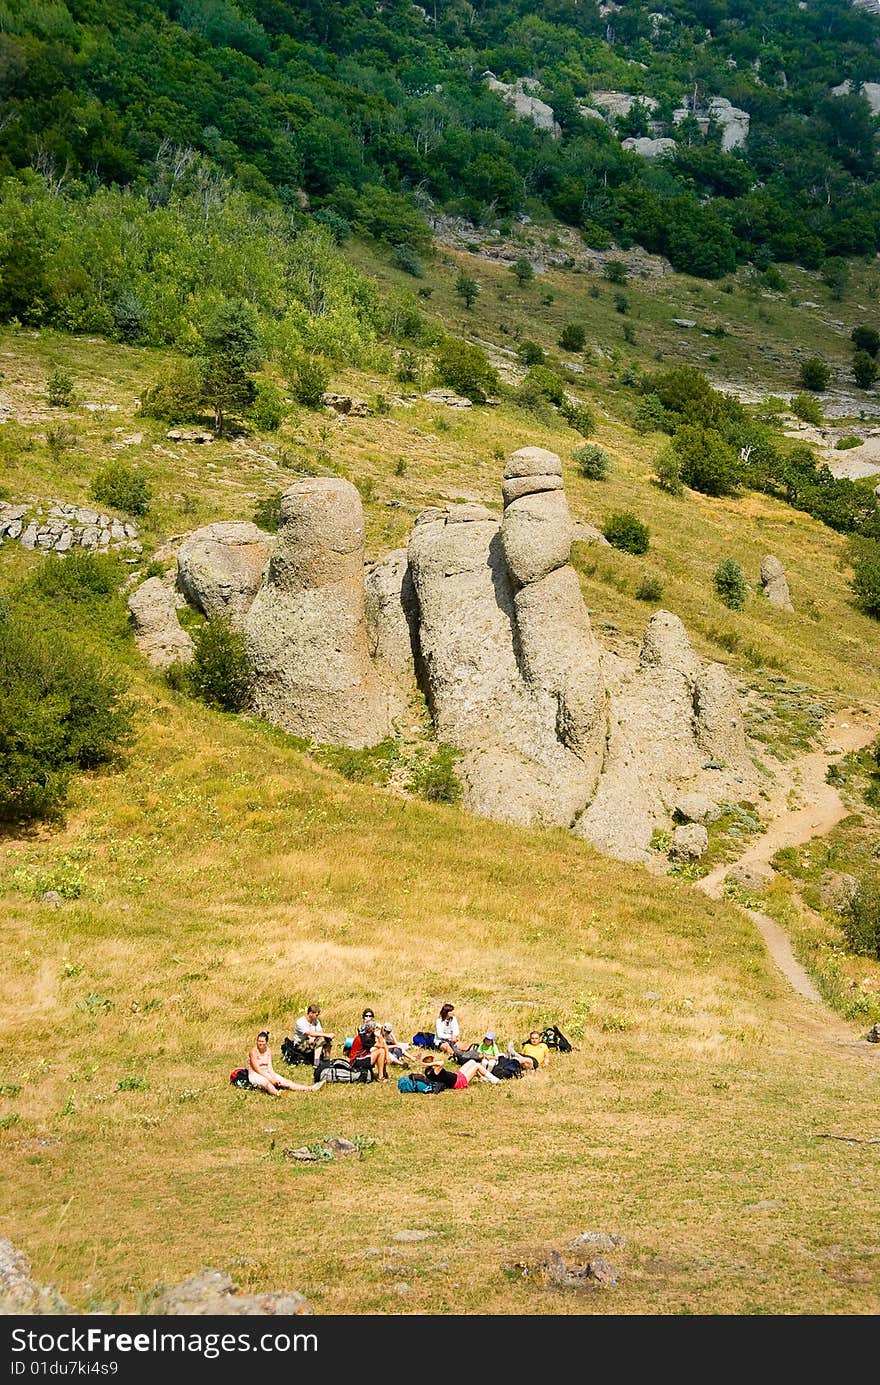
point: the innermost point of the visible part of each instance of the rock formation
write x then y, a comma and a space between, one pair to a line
158, 633
648, 148
19, 1293
393, 621
220, 568
306, 630
61, 527
775, 583
520, 97
212, 1293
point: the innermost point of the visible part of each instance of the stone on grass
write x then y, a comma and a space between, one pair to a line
212, 1292
695, 807
775, 583
220, 568
689, 842
158, 633
751, 877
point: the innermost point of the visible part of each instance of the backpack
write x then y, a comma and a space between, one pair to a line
416, 1083
423, 1039
507, 1067
553, 1037
239, 1078
293, 1055
340, 1070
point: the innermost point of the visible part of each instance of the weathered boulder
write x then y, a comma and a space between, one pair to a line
775, 583
648, 148
536, 535
719, 722
213, 1292
393, 618
306, 629
18, 1291
158, 633
220, 568
750, 876
690, 841
695, 807
837, 890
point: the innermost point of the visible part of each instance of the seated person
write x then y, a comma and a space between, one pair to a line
369, 1047
435, 1071
309, 1038
262, 1074
487, 1047
446, 1032
398, 1053
536, 1050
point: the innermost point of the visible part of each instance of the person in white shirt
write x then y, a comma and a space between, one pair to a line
446, 1031
309, 1036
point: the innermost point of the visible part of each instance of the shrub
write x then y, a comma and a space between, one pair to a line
59, 389
579, 416
730, 584
123, 487
338, 226
650, 589
60, 438
627, 532
573, 337
593, 462
221, 672
175, 395
465, 369
530, 353
629, 334
267, 410
129, 315
861, 921
650, 415
621, 303
814, 374
866, 579
80, 577
708, 463
865, 339
667, 470
60, 711
267, 513
309, 380
546, 382
435, 778
844, 444
616, 272
806, 407
467, 289
864, 369
523, 270
409, 260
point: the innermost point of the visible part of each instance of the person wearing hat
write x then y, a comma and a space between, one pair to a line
436, 1071
369, 1047
487, 1047
397, 1052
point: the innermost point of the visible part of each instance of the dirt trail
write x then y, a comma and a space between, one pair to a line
803, 806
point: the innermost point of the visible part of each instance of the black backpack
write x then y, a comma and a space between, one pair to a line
507, 1067
292, 1055
553, 1037
341, 1070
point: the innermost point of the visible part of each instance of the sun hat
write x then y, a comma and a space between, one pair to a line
490, 1034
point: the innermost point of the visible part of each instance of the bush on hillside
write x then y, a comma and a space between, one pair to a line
60, 711
814, 374
865, 339
409, 260
626, 531
573, 337
650, 589
616, 272
59, 388
688, 397
592, 461
267, 410
546, 382
708, 463
79, 577
864, 369
465, 369
865, 580
530, 353
309, 381
667, 470
730, 584
805, 407
221, 673
175, 395
650, 415
579, 416
861, 921
123, 487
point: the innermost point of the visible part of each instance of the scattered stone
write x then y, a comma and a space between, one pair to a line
401, 1287
690, 841
596, 1274
753, 878
303, 1154
198, 435
220, 568
599, 1241
520, 97
339, 1145
767, 1204
306, 630
347, 405
157, 631
52, 898
449, 398
684, 322
775, 583
18, 1291
212, 1292
413, 1236
695, 807
837, 890
873, 1034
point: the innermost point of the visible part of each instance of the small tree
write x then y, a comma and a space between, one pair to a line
667, 469
267, 410
835, 273
230, 351
122, 486
865, 339
616, 272
578, 416
730, 584
523, 270
547, 382
409, 260
467, 289
221, 673
59, 388
573, 337
465, 368
530, 353
175, 395
866, 579
804, 406
621, 303
309, 379
864, 370
814, 374
708, 463
627, 532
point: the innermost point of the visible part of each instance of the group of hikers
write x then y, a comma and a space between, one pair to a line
374, 1049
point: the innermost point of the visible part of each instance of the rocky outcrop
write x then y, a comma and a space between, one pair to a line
59, 527
690, 841
212, 1292
306, 631
220, 568
392, 620
158, 633
648, 148
19, 1293
520, 97
775, 583
734, 122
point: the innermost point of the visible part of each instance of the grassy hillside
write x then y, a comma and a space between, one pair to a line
222, 880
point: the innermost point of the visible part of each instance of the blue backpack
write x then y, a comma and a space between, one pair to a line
423, 1039
414, 1083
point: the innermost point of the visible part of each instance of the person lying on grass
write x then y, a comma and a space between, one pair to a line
262, 1074
435, 1071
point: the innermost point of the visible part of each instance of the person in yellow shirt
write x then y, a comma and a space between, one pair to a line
537, 1050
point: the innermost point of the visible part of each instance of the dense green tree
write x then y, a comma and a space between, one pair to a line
467, 289
865, 370
814, 374
230, 353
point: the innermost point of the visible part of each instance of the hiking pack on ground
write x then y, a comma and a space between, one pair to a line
423, 1039
553, 1037
341, 1070
506, 1066
415, 1082
292, 1055
239, 1077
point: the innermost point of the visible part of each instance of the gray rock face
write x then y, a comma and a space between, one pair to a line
648, 148
511, 668
213, 1292
718, 719
220, 568
518, 95
689, 842
393, 620
306, 629
18, 1291
157, 631
695, 807
775, 583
